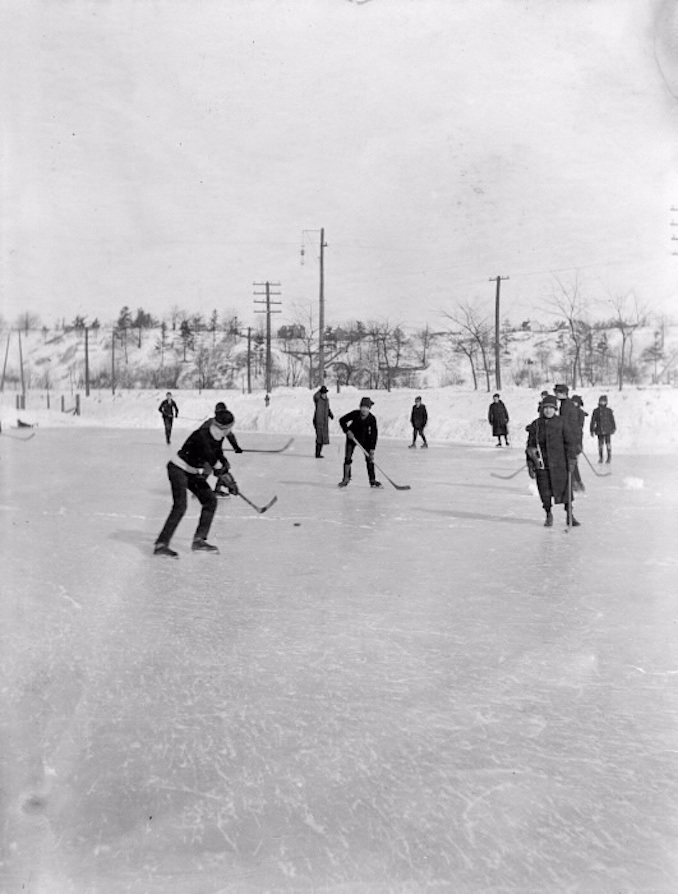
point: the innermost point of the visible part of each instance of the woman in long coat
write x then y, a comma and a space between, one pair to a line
321, 420
551, 455
498, 417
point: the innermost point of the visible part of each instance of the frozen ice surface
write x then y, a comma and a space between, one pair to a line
367, 690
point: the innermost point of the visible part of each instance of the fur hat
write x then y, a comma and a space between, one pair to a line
366, 402
549, 401
323, 389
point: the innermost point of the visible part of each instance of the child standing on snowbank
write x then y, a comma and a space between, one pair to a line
200, 455
360, 427
603, 427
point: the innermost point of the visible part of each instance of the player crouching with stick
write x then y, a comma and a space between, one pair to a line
360, 427
201, 455
551, 457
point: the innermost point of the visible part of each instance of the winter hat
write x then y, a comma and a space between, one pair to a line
323, 389
576, 399
366, 402
495, 395
562, 389
549, 401
223, 417
602, 399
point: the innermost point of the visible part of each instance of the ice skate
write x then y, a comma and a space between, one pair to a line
375, 483
548, 521
162, 549
201, 545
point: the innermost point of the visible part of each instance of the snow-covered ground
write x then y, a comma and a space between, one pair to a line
367, 690
647, 418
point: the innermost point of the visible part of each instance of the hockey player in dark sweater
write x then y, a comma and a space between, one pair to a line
360, 427
200, 455
219, 489
603, 427
168, 410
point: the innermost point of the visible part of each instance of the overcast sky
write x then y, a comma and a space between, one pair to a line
168, 153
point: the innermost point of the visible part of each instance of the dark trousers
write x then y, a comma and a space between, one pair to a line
180, 482
418, 431
348, 459
168, 420
604, 439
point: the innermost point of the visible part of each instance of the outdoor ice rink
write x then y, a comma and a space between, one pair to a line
407, 691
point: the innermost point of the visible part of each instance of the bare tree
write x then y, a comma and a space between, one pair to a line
478, 328
629, 315
568, 303
27, 321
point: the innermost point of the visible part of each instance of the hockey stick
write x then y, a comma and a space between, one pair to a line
18, 437
264, 450
390, 481
593, 468
507, 477
260, 509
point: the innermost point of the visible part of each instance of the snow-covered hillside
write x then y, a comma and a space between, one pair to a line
647, 418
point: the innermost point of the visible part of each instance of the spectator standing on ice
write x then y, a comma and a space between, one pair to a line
220, 411
360, 427
419, 420
168, 410
200, 455
569, 413
498, 417
321, 420
603, 427
551, 453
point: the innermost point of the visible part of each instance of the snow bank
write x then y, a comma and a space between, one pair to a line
647, 418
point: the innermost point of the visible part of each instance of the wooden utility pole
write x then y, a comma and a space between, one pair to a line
4, 366
497, 346
267, 301
86, 361
21, 366
321, 314
112, 361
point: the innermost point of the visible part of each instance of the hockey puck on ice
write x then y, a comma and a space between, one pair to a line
297, 524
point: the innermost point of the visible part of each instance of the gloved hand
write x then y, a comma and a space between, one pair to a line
229, 481
238, 449
571, 464
351, 436
531, 471
331, 414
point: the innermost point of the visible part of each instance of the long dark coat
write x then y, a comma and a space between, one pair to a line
321, 418
557, 443
498, 418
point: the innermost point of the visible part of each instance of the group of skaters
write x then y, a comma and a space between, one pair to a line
554, 441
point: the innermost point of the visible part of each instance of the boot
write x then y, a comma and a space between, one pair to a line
372, 477
201, 545
609, 455
318, 449
375, 483
162, 549
548, 521
573, 521
600, 456
412, 445
347, 475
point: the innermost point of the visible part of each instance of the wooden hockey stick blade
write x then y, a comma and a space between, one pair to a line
265, 450
260, 509
397, 486
507, 477
18, 437
593, 468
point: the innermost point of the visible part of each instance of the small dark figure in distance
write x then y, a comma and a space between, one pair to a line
603, 427
200, 456
541, 401
498, 417
321, 420
168, 410
221, 413
551, 456
360, 427
419, 420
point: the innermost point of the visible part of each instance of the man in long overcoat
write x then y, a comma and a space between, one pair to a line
498, 417
321, 420
551, 454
